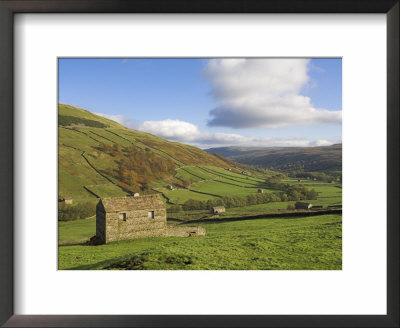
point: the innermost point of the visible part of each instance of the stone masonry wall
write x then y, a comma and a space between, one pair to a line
137, 224
121, 218
185, 231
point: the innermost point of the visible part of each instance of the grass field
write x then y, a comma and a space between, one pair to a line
312, 243
179, 196
76, 230
107, 190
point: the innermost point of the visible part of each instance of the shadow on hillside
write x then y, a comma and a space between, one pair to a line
99, 265
287, 215
73, 242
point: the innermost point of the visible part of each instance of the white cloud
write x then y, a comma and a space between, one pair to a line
263, 93
186, 132
171, 129
118, 118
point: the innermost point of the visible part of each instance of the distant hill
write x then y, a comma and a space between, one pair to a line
99, 157
316, 159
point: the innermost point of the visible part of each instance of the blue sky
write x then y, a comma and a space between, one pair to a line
213, 102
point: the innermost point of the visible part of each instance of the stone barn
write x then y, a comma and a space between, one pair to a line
218, 209
260, 191
302, 206
121, 218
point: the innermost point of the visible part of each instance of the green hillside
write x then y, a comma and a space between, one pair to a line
99, 157
286, 159
260, 229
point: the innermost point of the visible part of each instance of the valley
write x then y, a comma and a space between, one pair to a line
100, 158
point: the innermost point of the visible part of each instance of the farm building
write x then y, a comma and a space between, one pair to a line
66, 201
218, 209
120, 218
170, 187
302, 206
136, 194
260, 191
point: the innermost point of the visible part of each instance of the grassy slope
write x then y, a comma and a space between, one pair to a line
265, 244
79, 144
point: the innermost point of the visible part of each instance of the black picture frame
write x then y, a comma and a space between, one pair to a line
10, 7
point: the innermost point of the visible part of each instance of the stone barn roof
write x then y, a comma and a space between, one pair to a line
129, 203
216, 208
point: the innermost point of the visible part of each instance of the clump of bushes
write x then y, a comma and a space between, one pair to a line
231, 201
137, 168
76, 212
290, 193
72, 120
174, 209
291, 207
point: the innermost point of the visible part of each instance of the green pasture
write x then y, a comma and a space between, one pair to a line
307, 243
107, 190
105, 136
74, 172
200, 172
184, 175
73, 137
222, 189
232, 174
179, 196
76, 230
324, 189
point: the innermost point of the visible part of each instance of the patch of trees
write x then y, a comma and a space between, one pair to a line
174, 209
291, 191
72, 120
76, 212
137, 168
320, 176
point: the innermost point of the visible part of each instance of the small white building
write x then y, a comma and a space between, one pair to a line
218, 209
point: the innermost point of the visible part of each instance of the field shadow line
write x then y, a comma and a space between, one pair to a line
269, 216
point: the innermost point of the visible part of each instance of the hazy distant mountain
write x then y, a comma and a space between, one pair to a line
318, 159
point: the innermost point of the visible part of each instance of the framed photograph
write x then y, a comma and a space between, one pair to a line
181, 163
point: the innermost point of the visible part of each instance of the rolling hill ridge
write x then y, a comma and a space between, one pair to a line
317, 159
99, 157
